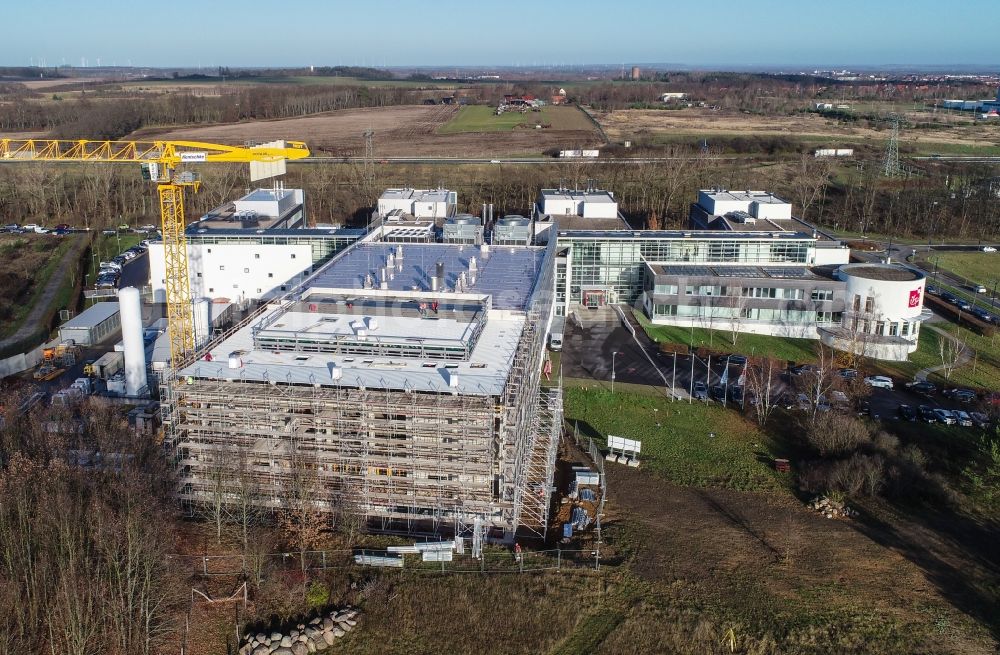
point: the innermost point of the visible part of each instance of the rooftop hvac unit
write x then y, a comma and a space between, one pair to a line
742, 217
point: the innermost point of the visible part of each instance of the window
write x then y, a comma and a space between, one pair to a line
284, 288
893, 329
258, 290
869, 304
199, 274
905, 329
822, 294
270, 274
256, 255
211, 289
222, 268
209, 250
857, 302
293, 255
246, 270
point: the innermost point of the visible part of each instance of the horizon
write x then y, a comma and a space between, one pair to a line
773, 34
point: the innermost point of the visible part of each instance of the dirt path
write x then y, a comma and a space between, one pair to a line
43, 301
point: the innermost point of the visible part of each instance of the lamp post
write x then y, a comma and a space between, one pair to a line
613, 355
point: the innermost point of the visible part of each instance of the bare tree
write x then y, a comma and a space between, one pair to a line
760, 387
816, 383
737, 303
953, 351
302, 519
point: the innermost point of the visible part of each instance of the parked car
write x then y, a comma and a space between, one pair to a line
944, 415
128, 255
981, 420
11, 227
108, 232
978, 288
839, 398
737, 360
927, 414
962, 418
62, 226
848, 373
964, 305
801, 369
923, 388
112, 264
736, 394
932, 290
717, 393
989, 249
700, 391
123, 227
961, 395
906, 413
879, 381
106, 284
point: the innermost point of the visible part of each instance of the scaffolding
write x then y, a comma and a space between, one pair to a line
415, 461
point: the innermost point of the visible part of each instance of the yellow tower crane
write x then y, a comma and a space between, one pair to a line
160, 160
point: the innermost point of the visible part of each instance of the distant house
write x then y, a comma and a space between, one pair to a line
672, 96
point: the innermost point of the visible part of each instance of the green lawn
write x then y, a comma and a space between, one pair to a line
677, 437
983, 371
755, 345
982, 267
481, 118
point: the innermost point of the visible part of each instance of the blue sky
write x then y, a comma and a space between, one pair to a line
710, 33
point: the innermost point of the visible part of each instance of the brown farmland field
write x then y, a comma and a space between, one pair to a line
406, 131
703, 122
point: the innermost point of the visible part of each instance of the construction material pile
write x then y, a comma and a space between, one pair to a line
317, 636
831, 508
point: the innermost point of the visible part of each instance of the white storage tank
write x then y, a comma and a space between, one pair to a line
135, 349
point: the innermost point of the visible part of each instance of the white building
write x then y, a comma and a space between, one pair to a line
419, 203
251, 249
884, 309
592, 203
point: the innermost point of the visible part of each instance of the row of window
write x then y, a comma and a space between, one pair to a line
708, 313
746, 292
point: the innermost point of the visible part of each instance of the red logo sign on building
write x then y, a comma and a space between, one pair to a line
915, 298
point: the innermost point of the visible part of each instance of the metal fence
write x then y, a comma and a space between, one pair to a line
492, 560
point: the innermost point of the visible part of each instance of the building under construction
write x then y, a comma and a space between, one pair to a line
399, 381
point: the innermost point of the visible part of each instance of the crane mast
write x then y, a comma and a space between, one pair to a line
160, 160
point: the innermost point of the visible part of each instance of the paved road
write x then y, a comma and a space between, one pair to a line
135, 273
44, 300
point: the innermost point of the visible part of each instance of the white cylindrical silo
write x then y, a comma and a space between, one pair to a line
202, 321
130, 306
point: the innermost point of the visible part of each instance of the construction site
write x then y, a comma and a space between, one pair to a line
398, 382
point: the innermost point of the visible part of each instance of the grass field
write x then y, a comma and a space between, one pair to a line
691, 444
26, 264
480, 118
799, 350
982, 267
982, 371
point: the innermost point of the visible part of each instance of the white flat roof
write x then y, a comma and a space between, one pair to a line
574, 194
92, 316
485, 372
420, 195
744, 196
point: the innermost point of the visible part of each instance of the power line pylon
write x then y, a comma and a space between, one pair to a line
890, 166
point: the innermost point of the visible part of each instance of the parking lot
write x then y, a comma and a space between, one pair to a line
591, 350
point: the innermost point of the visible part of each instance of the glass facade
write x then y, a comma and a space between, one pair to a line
615, 262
